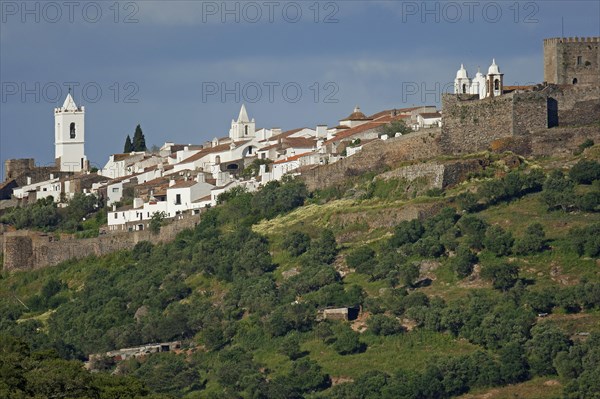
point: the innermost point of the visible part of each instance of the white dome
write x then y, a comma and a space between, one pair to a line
461, 73
478, 74
493, 69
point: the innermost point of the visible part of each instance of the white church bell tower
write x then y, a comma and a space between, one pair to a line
243, 128
69, 136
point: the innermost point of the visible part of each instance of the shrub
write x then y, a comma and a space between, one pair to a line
532, 242
585, 172
467, 202
586, 144
589, 202
362, 259
407, 232
347, 342
429, 247
463, 262
502, 275
290, 346
498, 241
384, 325
559, 192
296, 243
323, 249
142, 250
586, 240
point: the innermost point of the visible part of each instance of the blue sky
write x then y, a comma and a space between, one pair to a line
165, 64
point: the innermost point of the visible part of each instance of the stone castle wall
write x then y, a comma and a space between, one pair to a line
16, 167
437, 174
25, 250
375, 156
470, 124
561, 64
575, 105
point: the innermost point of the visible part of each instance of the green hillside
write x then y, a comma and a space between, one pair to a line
495, 294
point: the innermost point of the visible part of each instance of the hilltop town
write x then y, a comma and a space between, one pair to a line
403, 253
180, 180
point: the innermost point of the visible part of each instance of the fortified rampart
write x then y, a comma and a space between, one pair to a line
437, 174
470, 124
26, 250
575, 105
375, 156
16, 167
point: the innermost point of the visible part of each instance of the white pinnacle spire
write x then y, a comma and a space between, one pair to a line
69, 104
494, 69
243, 117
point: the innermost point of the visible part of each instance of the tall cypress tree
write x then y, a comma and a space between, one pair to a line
128, 145
139, 141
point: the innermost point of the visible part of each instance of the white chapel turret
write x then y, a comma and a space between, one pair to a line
462, 83
243, 128
478, 85
69, 136
495, 80
490, 85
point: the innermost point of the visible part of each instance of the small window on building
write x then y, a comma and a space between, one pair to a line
246, 130
574, 81
496, 84
178, 199
72, 130
464, 88
116, 215
579, 60
115, 189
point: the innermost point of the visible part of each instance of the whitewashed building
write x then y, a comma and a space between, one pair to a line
69, 136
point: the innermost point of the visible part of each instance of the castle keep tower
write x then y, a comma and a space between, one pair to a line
572, 60
69, 136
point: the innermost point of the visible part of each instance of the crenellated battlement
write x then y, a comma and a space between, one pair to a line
555, 40
572, 60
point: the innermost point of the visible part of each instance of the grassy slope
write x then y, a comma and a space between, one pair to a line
556, 267
411, 350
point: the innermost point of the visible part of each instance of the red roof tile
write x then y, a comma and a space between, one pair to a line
365, 127
290, 159
209, 150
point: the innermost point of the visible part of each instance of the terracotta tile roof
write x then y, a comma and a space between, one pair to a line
365, 127
184, 184
300, 142
209, 150
120, 179
285, 134
294, 142
356, 116
123, 208
431, 115
121, 157
155, 182
388, 112
293, 158
340, 127
269, 147
513, 88
205, 198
